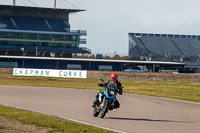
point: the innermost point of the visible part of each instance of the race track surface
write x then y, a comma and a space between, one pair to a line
137, 114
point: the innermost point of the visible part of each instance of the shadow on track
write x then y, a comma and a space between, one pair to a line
136, 119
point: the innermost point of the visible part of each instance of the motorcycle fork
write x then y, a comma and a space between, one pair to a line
112, 102
103, 100
101, 97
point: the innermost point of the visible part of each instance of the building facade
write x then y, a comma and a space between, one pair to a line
35, 31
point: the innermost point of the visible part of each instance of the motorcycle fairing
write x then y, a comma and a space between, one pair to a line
107, 95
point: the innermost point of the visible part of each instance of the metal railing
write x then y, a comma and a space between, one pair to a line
82, 32
83, 41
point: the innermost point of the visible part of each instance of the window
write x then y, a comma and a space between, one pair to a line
8, 64
105, 68
44, 36
15, 35
30, 36
73, 38
58, 37
4, 34
74, 67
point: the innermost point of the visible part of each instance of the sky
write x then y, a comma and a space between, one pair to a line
108, 22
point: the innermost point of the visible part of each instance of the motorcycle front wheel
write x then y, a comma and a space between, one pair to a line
95, 112
104, 109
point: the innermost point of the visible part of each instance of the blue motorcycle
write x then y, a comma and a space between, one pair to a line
106, 100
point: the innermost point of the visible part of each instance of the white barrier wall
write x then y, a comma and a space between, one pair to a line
50, 73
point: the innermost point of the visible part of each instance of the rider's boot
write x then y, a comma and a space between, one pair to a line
111, 107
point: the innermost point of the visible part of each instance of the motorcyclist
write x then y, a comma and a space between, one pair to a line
110, 84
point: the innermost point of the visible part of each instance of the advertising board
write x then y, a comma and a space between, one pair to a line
50, 73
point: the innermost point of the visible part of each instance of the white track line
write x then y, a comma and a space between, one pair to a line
66, 118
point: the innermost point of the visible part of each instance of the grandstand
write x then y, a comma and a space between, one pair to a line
31, 36
166, 47
36, 31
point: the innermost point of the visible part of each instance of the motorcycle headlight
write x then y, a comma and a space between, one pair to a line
112, 92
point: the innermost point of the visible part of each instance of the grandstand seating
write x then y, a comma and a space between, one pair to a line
195, 42
152, 45
185, 46
140, 46
57, 24
164, 47
30, 23
33, 23
7, 20
168, 46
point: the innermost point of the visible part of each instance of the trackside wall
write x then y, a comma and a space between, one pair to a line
6, 71
146, 76
131, 76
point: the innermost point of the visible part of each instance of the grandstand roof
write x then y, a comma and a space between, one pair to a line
41, 9
164, 35
41, 32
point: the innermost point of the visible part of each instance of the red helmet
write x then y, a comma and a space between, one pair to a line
114, 77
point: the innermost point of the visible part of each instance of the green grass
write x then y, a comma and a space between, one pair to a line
189, 91
45, 121
49, 82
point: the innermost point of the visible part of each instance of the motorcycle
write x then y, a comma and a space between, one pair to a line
106, 101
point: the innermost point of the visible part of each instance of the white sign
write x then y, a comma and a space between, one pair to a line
50, 73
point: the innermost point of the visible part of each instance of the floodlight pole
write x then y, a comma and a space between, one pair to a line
14, 2
54, 3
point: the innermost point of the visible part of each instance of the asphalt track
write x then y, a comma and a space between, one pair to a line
137, 114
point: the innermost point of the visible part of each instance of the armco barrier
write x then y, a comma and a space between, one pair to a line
131, 75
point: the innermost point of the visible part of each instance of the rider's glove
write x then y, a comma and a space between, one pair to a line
120, 91
101, 85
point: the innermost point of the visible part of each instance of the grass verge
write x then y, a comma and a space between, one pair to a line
189, 91
52, 123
